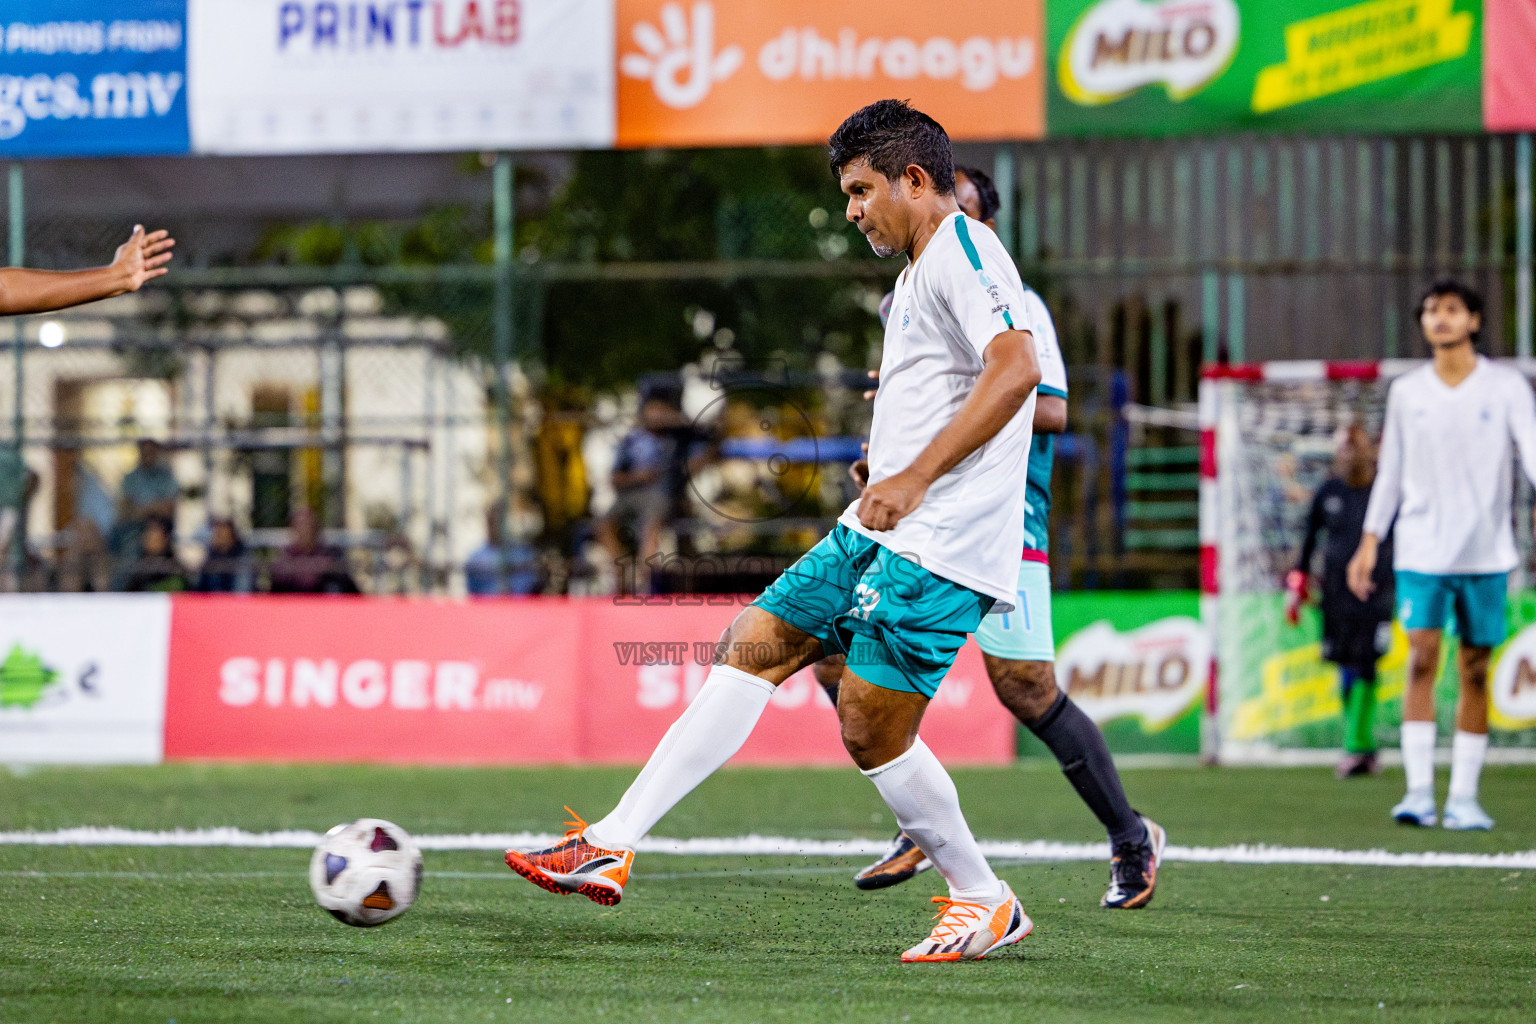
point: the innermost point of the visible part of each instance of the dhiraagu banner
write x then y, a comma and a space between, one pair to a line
1173, 67
1278, 693
1137, 663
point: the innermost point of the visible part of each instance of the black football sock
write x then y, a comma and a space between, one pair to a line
1079, 746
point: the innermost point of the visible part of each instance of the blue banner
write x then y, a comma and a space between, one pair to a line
93, 78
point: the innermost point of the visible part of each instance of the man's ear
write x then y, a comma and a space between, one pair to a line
916, 180
1477, 322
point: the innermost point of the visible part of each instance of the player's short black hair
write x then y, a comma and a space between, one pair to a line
990, 203
1469, 296
892, 135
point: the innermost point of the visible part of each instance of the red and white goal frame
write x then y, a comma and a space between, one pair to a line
1249, 415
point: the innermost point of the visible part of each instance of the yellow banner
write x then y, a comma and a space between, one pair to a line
1365, 43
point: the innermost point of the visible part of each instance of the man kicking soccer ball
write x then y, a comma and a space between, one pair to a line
1445, 475
928, 549
1020, 650
142, 258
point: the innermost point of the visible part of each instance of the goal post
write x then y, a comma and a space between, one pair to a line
1268, 433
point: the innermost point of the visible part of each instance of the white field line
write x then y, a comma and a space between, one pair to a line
756, 846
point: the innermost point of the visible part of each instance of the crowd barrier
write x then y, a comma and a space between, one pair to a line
145, 678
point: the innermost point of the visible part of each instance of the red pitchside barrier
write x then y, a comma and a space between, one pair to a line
501, 681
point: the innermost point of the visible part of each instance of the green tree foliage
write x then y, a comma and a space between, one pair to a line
624, 208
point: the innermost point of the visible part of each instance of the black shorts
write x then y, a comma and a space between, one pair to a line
1356, 643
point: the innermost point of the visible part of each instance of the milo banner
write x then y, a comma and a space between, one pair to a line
1171, 67
1278, 693
1137, 663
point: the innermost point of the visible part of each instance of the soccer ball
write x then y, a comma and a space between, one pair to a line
366, 872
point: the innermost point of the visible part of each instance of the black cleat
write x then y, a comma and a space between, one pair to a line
1356, 765
899, 863
1133, 869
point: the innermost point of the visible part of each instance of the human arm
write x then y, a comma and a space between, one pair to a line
142, 258
1050, 414
1296, 580
1051, 395
1386, 494
1010, 372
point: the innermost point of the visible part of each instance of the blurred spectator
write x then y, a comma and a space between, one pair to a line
84, 565
502, 566
148, 491
156, 568
640, 482
227, 569
18, 483
308, 565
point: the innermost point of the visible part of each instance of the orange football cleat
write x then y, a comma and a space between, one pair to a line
576, 866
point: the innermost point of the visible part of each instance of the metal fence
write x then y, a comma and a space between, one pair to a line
402, 402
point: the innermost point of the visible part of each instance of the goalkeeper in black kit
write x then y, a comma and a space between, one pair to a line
1355, 633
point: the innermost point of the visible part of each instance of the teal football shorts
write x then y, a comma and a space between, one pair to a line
899, 624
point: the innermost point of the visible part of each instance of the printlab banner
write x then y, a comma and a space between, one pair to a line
1138, 663
82, 79
82, 678
310, 76
1171, 67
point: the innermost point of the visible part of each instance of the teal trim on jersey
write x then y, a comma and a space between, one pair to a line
964, 234
1037, 492
1046, 389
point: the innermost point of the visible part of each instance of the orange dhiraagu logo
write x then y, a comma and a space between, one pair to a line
24, 678
740, 72
1119, 46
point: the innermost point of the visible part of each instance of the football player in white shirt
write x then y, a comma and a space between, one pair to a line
930, 547
1446, 476
1019, 648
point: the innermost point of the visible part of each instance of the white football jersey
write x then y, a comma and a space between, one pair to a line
960, 294
1446, 470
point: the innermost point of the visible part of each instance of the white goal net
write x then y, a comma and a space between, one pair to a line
1273, 429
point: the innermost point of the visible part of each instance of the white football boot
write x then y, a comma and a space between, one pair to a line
1464, 815
1417, 808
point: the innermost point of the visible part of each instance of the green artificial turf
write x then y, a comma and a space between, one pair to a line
161, 934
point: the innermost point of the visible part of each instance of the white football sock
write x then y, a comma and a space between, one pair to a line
1418, 739
1467, 752
703, 738
921, 794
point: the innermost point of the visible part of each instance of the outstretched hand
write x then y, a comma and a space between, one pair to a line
143, 257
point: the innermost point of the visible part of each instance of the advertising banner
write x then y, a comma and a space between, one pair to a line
1509, 73
1137, 663
364, 679
82, 678
1277, 692
313, 76
645, 663
1171, 67
735, 73
93, 79
505, 681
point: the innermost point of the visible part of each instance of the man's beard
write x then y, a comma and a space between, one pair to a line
885, 252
